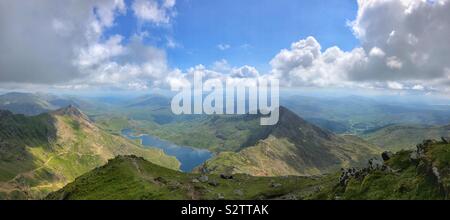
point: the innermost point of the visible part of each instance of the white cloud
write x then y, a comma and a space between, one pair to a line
64, 46
223, 46
154, 11
403, 44
245, 72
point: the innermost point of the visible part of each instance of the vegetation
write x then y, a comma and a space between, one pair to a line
129, 177
39, 154
402, 176
399, 137
294, 147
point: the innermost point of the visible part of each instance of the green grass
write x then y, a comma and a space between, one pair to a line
135, 178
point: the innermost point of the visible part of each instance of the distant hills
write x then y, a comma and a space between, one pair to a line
402, 137
356, 115
37, 103
40, 154
294, 147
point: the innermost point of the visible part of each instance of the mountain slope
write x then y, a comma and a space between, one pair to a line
420, 174
40, 154
413, 175
294, 147
130, 177
398, 137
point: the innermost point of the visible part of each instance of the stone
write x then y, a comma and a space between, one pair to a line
386, 155
226, 176
213, 183
275, 185
446, 140
203, 178
238, 192
195, 180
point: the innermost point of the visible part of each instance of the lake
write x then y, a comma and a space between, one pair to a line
189, 157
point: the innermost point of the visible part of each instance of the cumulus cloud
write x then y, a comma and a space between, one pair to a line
154, 11
63, 44
404, 45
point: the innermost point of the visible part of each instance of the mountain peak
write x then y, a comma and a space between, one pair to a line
71, 110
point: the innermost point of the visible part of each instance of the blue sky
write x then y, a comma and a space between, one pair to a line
254, 30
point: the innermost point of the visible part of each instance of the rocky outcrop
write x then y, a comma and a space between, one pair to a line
359, 173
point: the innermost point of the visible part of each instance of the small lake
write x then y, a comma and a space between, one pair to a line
189, 157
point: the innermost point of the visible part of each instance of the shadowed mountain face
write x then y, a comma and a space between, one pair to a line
39, 154
294, 147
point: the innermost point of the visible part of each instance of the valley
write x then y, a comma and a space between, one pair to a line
293, 159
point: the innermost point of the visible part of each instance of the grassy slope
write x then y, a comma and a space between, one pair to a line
398, 137
134, 178
411, 179
127, 177
277, 157
43, 153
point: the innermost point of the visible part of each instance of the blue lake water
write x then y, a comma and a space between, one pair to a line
189, 157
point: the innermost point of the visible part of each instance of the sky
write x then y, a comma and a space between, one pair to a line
398, 46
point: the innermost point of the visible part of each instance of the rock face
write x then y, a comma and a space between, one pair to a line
359, 173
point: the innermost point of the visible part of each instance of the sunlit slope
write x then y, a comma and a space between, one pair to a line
294, 147
398, 137
129, 177
40, 154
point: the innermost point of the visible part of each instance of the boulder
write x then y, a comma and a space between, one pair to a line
386, 155
226, 176
238, 192
275, 185
213, 183
203, 178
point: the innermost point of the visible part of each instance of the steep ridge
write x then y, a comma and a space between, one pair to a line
294, 147
39, 154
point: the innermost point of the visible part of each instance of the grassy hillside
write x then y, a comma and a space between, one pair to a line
398, 137
40, 154
129, 177
294, 147
421, 174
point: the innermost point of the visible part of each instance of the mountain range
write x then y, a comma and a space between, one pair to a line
42, 153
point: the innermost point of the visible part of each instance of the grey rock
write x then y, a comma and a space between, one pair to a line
238, 192
275, 185
203, 179
213, 183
